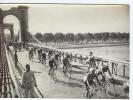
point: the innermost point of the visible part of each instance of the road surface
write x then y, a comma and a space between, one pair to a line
63, 87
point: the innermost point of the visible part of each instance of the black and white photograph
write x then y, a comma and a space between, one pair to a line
77, 51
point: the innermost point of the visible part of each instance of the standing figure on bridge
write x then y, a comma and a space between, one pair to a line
28, 82
40, 54
16, 59
44, 58
31, 54
91, 60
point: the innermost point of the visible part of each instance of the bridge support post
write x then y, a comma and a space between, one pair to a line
124, 70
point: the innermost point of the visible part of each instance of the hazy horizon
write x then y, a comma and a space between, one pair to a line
73, 18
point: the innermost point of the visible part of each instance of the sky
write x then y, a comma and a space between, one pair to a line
73, 18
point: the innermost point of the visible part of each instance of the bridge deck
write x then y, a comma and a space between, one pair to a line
63, 87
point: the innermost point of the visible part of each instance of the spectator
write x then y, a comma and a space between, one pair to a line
16, 59
28, 82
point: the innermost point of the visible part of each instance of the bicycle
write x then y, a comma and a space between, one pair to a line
109, 87
91, 91
53, 74
67, 69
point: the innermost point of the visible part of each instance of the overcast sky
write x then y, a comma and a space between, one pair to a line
74, 18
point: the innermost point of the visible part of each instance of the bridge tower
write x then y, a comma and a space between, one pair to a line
21, 12
10, 27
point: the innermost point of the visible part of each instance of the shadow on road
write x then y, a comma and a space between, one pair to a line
75, 66
77, 72
70, 84
79, 80
35, 61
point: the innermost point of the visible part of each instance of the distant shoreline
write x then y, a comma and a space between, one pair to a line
91, 45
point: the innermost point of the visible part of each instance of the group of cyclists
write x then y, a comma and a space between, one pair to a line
54, 59
95, 75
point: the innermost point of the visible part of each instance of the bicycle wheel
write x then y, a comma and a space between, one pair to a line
110, 90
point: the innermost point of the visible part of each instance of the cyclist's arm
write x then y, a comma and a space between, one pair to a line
97, 79
103, 76
110, 73
55, 63
23, 80
103, 73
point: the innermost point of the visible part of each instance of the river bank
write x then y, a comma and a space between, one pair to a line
89, 45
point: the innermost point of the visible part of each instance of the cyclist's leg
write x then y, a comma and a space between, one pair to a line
70, 71
49, 73
65, 71
29, 56
54, 72
32, 57
44, 60
87, 89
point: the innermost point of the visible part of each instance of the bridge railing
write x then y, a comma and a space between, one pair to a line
21, 70
8, 87
120, 68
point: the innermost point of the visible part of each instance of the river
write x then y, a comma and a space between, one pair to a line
113, 52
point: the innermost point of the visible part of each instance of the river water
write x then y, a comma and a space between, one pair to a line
113, 52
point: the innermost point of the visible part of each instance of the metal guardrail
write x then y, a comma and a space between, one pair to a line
7, 83
120, 68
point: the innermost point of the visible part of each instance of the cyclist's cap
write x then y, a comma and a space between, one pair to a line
92, 69
91, 52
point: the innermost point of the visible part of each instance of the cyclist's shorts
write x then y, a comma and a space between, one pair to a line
51, 66
65, 68
91, 82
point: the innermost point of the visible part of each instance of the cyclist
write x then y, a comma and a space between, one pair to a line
44, 57
50, 54
57, 59
39, 54
105, 69
91, 60
90, 80
66, 65
34, 50
53, 66
31, 54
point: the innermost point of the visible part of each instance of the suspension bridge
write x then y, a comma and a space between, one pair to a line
11, 76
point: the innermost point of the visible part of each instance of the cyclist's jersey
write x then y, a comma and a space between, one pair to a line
91, 58
52, 63
66, 62
100, 75
39, 51
105, 69
44, 55
31, 51
106, 72
90, 79
57, 56
57, 61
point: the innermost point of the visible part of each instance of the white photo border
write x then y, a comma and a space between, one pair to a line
129, 2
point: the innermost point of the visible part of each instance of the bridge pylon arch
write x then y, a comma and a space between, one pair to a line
21, 12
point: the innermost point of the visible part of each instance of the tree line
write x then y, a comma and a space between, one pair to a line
60, 37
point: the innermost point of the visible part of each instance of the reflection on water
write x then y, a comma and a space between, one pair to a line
114, 52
